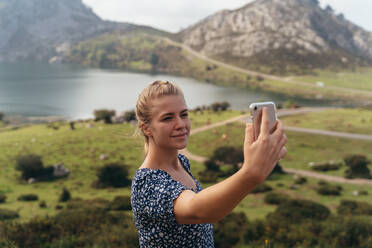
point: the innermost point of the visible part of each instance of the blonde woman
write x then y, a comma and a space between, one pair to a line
169, 205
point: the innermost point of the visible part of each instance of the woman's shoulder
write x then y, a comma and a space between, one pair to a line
184, 160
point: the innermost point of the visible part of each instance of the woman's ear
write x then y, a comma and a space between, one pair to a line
146, 130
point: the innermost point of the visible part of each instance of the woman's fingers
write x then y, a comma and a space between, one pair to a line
283, 152
265, 123
249, 134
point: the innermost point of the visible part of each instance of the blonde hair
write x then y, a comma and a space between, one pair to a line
152, 91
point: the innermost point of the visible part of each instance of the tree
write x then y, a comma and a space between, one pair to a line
2, 115
104, 114
154, 61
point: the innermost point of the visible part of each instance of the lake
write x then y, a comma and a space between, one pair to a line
72, 91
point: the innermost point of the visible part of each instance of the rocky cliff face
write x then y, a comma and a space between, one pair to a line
291, 29
33, 29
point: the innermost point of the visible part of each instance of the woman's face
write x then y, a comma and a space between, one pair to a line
170, 124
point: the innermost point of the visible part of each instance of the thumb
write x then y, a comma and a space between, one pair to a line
249, 134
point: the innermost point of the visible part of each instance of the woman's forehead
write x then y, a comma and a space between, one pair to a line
174, 103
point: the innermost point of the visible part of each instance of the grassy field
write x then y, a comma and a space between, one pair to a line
358, 79
79, 151
341, 120
302, 148
199, 119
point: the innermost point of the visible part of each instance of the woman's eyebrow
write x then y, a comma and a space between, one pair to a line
172, 113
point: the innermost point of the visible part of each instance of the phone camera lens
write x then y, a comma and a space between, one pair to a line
255, 108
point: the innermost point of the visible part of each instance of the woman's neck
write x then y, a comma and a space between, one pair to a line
158, 158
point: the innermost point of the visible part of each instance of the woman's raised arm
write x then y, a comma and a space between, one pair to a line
215, 202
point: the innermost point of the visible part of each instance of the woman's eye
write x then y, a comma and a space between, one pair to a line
185, 115
167, 118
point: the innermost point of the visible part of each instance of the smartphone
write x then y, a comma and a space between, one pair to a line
256, 116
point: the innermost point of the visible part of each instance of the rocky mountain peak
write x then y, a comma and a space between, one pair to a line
291, 29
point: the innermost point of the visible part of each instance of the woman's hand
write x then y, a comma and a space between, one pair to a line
261, 155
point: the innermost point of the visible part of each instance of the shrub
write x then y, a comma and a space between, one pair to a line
2, 115
65, 195
228, 231
328, 189
211, 165
42, 204
300, 180
220, 106
2, 198
348, 207
262, 188
228, 155
254, 231
30, 166
104, 114
130, 116
357, 167
6, 214
78, 227
275, 198
326, 167
113, 175
28, 197
295, 211
121, 203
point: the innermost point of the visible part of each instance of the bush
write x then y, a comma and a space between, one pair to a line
30, 166
348, 207
130, 116
300, 180
6, 214
326, 167
211, 165
28, 197
220, 106
261, 188
295, 211
254, 231
65, 195
275, 198
228, 231
79, 227
104, 114
228, 155
2, 115
2, 198
328, 189
121, 203
42, 204
113, 175
357, 167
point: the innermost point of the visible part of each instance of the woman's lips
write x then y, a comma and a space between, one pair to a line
180, 135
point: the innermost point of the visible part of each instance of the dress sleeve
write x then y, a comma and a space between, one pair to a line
159, 192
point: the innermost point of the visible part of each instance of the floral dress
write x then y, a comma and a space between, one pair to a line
152, 196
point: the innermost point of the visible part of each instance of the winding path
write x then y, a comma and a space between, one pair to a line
244, 118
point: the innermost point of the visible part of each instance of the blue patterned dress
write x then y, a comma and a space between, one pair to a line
153, 192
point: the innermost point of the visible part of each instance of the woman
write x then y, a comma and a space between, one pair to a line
169, 206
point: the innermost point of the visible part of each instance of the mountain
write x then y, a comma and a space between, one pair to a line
40, 29
281, 36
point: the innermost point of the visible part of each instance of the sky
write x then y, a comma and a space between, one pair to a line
174, 15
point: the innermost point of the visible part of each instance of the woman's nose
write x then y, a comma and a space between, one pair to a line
180, 123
